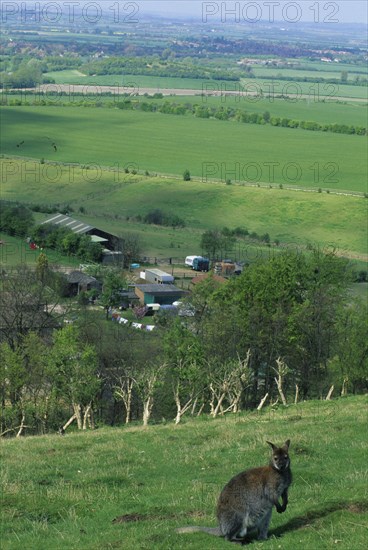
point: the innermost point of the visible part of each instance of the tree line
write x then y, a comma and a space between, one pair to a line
156, 66
200, 111
239, 115
285, 329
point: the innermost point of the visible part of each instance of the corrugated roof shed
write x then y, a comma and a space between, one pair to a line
65, 221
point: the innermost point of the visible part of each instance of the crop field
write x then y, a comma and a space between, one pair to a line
275, 87
112, 201
168, 144
310, 89
325, 72
136, 81
132, 487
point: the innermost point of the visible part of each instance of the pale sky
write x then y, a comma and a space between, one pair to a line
343, 11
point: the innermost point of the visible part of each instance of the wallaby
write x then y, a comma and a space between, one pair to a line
247, 500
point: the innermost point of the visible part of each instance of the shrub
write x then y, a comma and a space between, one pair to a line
186, 175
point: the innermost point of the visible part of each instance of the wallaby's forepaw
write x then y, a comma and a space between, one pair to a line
281, 509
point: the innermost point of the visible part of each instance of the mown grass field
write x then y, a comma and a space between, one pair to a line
113, 200
65, 492
170, 144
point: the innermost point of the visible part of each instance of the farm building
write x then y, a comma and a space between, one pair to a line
107, 240
78, 281
159, 294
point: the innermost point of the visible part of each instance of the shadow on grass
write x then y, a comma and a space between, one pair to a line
300, 522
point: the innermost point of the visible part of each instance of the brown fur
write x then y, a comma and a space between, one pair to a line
247, 500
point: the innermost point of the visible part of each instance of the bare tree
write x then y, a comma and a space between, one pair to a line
227, 383
187, 384
27, 304
281, 371
148, 379
123, 389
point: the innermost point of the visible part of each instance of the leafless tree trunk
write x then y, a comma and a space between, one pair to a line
181, 409
21, 427
125, 392
262, 402
147, 383
330, 392
216, 397
344, 389
296, 394
281, 371
71, 419
187, 384
78, 415
88, 417
229, 382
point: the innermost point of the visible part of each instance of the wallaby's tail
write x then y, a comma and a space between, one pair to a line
196, 528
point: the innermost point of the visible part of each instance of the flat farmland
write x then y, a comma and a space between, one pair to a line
135, 81
259, 84
311, 72
169, 144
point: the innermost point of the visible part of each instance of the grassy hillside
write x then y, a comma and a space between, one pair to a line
65, 492
112, 200
170, 144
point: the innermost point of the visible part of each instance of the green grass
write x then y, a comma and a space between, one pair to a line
280, 86
65, 492
318, 111
311, 89
294, 217
170, 144
15, 251
340, 112
138, 81
310, 72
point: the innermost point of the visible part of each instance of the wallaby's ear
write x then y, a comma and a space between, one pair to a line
287, 444
272, 445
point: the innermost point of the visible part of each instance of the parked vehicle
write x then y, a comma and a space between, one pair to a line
190, 259
158, 276
201, 264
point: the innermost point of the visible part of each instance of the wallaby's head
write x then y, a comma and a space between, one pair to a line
280, 456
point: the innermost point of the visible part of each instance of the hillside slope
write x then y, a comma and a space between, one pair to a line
64, 492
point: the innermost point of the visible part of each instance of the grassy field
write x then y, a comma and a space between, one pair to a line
303, 109
111, 201
311, 72
15, 251
170, 144
138, 81
326, 112
310, 89
132, 487
161, 83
